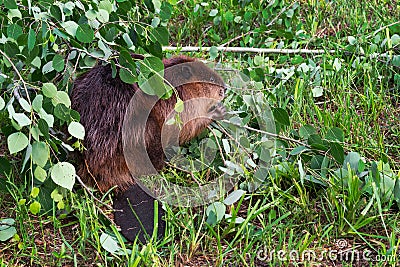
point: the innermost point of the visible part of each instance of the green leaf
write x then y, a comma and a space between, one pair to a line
91, 14
211, 218
7, 233
395, 39
114, 70
316, 162
396, 60
56, 12
40, 174
110, 244
24, 104
337, 65
234, 196
126, 60
218, 209
48, 67
213, 12
315, 141
40, 153
226, 146
27, 156
102, 16
17, 142
297, 60
74, 115
106, 5
62, 112
337, 152
11, 49
6, 223
61, 97
265, 154
70, 27
14, 13
161, 35
157, 5
2, 103
179, 106
35, 207
317, 91
35, 192
35, 132
213, 52
57, 197
76, 130
151, 65
49, 90
14, 31
335, 134
126, 76
58, 62
229, 16
155, 22
63, 174
36, 62
22, 119
10, 4
84, 33
44, 128
351, 40
396, 190
281, 116
37, 103
298, 150
170, 121
306, 130
353, 159
47, 117
166, 10
258, 60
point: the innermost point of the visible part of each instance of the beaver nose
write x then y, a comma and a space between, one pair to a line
222, 92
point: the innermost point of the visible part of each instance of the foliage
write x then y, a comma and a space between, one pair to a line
43, 47
335, 173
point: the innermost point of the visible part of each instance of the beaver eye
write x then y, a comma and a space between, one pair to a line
212, 79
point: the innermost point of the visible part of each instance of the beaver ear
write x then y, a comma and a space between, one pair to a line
186, 72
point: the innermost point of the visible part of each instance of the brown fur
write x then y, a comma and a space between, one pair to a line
102, 102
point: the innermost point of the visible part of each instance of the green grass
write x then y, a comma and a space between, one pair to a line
361, 97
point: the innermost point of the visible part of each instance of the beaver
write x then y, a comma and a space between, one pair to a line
102, 102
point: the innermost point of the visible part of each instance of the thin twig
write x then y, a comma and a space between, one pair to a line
91, 175
18, 74
238, 37
269, 134
382, 28
185, 171
249, 49
92, 195
251, 32
231, 137
219, 146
